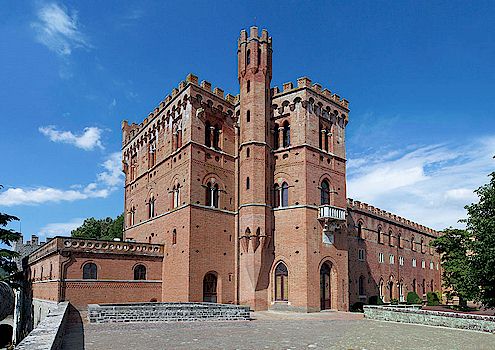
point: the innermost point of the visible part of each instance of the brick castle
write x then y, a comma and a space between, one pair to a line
242, 199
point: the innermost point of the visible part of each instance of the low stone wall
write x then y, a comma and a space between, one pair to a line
432, 318
48, 334
166, 312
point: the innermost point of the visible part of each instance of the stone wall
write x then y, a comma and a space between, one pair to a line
41, 309
431, 318
166, 312
48, 334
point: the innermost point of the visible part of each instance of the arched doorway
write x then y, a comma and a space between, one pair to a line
325, 294
210, 288
390, 290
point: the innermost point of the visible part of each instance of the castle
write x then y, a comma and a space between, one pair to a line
242, 199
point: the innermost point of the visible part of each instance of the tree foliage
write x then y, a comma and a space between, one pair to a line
7, 237
105, 229
468, 256
481, 224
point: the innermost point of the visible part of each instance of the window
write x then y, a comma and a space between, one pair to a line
139, 272
276, 137
399, 240
414, 262
281, 283
422, 245
248, 86
132, 216
247, 183
391, 259
414, 285
424, 286
248, 116
286, 134
259, 57
210, 288
325, 193
212, 194
216, 137
178, 139
152, 154
437, 266
176, 196
248, 152
151, 207
431, 265
133, 166
390, 238
431, 286
379, 233
381, 289
276, 196
423, 264
207, 134
361, 286
248, 57
174, 236
360, 230
401, 291
413, 245
90, 271
381, 258
401, 260
284, 195
361, 254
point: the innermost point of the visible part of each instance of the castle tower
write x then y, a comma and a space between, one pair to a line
255, 167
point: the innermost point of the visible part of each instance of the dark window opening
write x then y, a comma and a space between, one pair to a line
139, 272
325, 193
90, 271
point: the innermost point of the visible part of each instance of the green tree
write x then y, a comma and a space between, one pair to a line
454, 246
481, 224
105, 229
7, 237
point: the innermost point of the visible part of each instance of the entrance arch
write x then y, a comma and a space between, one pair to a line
210, 288
325, 287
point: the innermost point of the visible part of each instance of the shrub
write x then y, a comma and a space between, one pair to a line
440, 296
357, 307
413, 298
394, 301
432, 299
375, 300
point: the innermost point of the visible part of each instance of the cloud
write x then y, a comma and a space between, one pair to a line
58, 30
106, 183
88, 140
429, 184
59, 228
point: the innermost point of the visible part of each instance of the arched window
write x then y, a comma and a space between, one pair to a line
176, 196
248, 116
399, 240
286, 134
379, 233
413, 246
325, 193
276, 137
132, 215
276, 196
247, 183
178, 139
174, 236
390, 238
210, 288
422, 245
326, 140
248, 86
139, 272
248, 152
381, 288
248, 57
216, 137
133, 166
151, 206
281, 282
212, 194
431, 285
360, 230
414, 285
259, 57
208, 134
424, 286
361, 286
90, 271
152, 154
321, 137
51, 271
284, 195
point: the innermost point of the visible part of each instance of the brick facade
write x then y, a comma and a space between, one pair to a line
246, 195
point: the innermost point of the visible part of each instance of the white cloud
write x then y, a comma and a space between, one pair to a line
59, 228
106, 183
429, 185
88, 140
58, 30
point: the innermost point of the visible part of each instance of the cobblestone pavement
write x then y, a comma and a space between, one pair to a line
277, 330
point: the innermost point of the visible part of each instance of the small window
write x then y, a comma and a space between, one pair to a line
248, 86
379, 233
248, 57
259, 57
361, 286
284, 195
140, 272
391, 259
413, 262
248, 152
151, 207
361, 254
401, 260
381, 258
286, 134
248, 116
276, 136
431, 265
247, 183
174, 236
423, 264
90, 271
325, 193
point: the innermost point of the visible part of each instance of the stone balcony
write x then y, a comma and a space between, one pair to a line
330, 213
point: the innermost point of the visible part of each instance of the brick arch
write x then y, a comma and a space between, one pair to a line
335, 273
89, 261
279, 259
218, 180
282, 177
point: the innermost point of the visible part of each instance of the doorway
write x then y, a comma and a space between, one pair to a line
325, 293
210, 288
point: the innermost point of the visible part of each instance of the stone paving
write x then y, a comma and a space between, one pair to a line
276, 330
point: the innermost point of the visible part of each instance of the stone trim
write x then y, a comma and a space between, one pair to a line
480, 323
49, 333
166, 312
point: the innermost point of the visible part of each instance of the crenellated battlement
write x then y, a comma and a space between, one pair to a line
254, 35
390, 216
191, 79
305, 82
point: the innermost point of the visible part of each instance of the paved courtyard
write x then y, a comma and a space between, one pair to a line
275, 330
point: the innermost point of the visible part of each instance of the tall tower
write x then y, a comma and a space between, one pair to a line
255, 167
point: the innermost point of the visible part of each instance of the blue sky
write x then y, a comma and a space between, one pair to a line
419, 75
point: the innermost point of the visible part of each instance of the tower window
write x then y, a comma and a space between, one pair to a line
212, 195
248, 87
325, 193
216, 137
248, 116
259, 57
248, 57
248, 152
207, 134
174, 236
151, 207
276, 136
247, 183
286, 134
176, 196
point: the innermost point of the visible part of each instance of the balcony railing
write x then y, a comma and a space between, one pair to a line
330, 212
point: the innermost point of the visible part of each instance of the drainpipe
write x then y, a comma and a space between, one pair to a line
63, 272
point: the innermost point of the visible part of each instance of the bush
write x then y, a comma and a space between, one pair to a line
375, 300
394, 301
413, 298
432, 299
357, 307
440, 296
